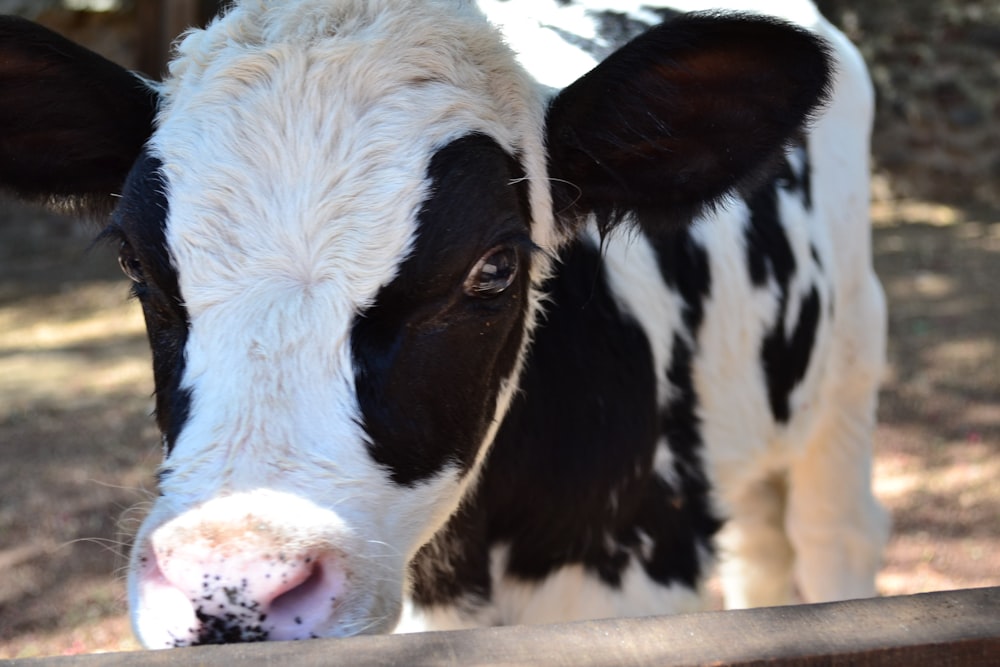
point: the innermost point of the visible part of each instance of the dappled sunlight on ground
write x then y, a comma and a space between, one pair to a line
52, 352
77, 446
938, 444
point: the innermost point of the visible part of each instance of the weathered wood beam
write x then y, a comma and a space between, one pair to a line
947, 629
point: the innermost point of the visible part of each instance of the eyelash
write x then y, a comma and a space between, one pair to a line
493, 273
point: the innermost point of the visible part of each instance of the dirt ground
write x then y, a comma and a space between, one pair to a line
78, 448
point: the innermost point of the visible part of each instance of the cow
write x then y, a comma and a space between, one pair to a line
454, 326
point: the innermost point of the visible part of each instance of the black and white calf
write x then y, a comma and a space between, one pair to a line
437, 346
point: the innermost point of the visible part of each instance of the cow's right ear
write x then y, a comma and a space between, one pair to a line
680, 117
71, 122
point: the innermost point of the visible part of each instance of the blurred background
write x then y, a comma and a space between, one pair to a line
132, 33
78, 448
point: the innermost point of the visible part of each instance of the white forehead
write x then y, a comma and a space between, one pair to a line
295, 137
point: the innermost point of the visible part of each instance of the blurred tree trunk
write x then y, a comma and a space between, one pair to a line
161, 21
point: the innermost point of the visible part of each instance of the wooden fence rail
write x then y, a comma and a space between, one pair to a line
948, 629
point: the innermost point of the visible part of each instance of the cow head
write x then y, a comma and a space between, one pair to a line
336, 217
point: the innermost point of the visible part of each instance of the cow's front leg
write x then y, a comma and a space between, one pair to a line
836, 525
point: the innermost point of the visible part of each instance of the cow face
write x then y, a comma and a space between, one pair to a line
337, 228
376, 404
359, 264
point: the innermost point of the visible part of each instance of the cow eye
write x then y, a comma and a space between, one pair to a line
493, 273
130, 264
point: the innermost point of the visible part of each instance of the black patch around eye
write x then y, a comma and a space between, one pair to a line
430, 360
139, 228
784, 358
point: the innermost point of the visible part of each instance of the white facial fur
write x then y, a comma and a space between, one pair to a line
295, 139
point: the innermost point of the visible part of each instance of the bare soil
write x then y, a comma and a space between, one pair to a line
78, 448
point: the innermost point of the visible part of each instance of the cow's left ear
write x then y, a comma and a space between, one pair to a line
681, 116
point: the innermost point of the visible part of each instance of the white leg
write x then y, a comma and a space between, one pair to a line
756, 558
837, 527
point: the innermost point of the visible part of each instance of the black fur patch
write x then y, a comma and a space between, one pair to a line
785, 358
684, 267
454, 567
583, 428
614, 29
429, 358
678, 536
570, 479
139, 225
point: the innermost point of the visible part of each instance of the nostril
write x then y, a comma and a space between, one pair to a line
273, 578
301, 610
247, 566
208, 595
299, 594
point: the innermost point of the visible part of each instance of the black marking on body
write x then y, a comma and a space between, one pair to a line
684, 267
785, 357
430, 359
614, 29
583, 430
454, 567
680, 537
